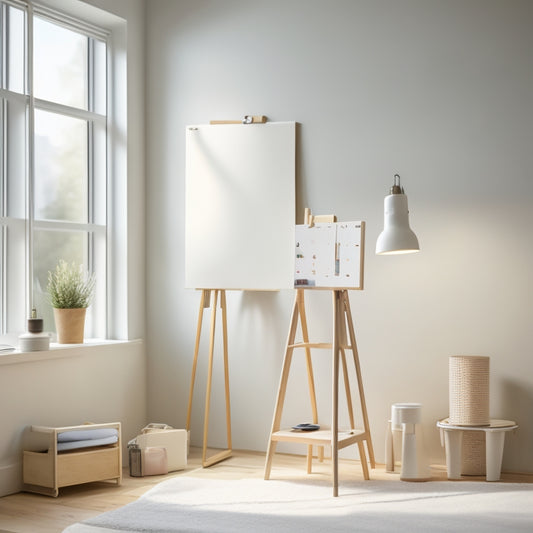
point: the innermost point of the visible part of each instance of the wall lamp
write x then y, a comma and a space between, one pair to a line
397, 237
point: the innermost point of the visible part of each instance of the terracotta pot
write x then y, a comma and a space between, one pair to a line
70, 325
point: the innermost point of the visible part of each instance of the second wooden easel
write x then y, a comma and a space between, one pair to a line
343, 339
210, 298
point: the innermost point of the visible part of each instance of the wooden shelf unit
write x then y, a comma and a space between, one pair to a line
343, 339
45, 472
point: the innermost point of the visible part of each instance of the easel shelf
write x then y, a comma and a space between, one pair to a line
320, 437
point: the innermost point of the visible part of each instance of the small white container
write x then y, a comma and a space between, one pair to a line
415, 465
34, 342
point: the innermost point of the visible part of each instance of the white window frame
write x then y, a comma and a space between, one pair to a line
17, 287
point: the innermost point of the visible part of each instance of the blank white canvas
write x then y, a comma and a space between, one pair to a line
240, 206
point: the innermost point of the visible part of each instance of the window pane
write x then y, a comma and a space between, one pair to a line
99, 183
2, 281
65, 160
15, 274
60, 64
61, 189
48, 248
100, 77
15, 50
15, 121
2, 156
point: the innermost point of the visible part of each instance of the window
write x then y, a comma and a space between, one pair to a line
53, 159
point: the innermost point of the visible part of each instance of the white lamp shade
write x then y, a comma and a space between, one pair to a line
396, 237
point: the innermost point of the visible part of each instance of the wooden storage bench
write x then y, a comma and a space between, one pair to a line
46, 468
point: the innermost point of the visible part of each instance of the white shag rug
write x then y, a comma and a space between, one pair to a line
187, 504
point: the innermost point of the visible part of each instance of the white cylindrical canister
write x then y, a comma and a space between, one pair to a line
34, 342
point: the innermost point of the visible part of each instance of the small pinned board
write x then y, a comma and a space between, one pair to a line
329, 255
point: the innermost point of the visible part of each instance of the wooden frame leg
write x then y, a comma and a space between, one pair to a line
224, 454
347, 388
335, 389
209, 299
353, 344
362, 456
282, 389
310, 377
203, 304
226, 366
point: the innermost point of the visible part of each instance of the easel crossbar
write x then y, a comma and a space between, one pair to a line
318, 345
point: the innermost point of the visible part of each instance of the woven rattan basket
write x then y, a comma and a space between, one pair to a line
469, 390
473, 454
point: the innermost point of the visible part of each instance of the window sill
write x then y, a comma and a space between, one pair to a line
58, 351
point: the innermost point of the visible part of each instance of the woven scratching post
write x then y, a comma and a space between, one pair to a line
469, 406
469, 390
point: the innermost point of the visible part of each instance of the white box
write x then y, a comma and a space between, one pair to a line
173, 440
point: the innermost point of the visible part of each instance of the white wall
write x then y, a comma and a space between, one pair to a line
440, 92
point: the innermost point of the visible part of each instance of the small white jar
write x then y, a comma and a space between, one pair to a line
34, 342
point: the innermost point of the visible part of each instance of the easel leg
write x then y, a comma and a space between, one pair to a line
224, 454
335, 389
347, 388
362, 457
310, 377
343, 345
276, 422
214, 298
226, 365
344, 340
209, 299
353, 343
203, 304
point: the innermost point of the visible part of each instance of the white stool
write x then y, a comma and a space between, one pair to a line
494, 441
405, 421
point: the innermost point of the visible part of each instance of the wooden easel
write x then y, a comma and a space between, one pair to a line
209, 299
342, 324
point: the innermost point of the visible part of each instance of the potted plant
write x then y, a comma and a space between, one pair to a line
70, 290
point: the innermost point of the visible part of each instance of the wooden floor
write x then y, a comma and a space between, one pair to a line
32, 513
